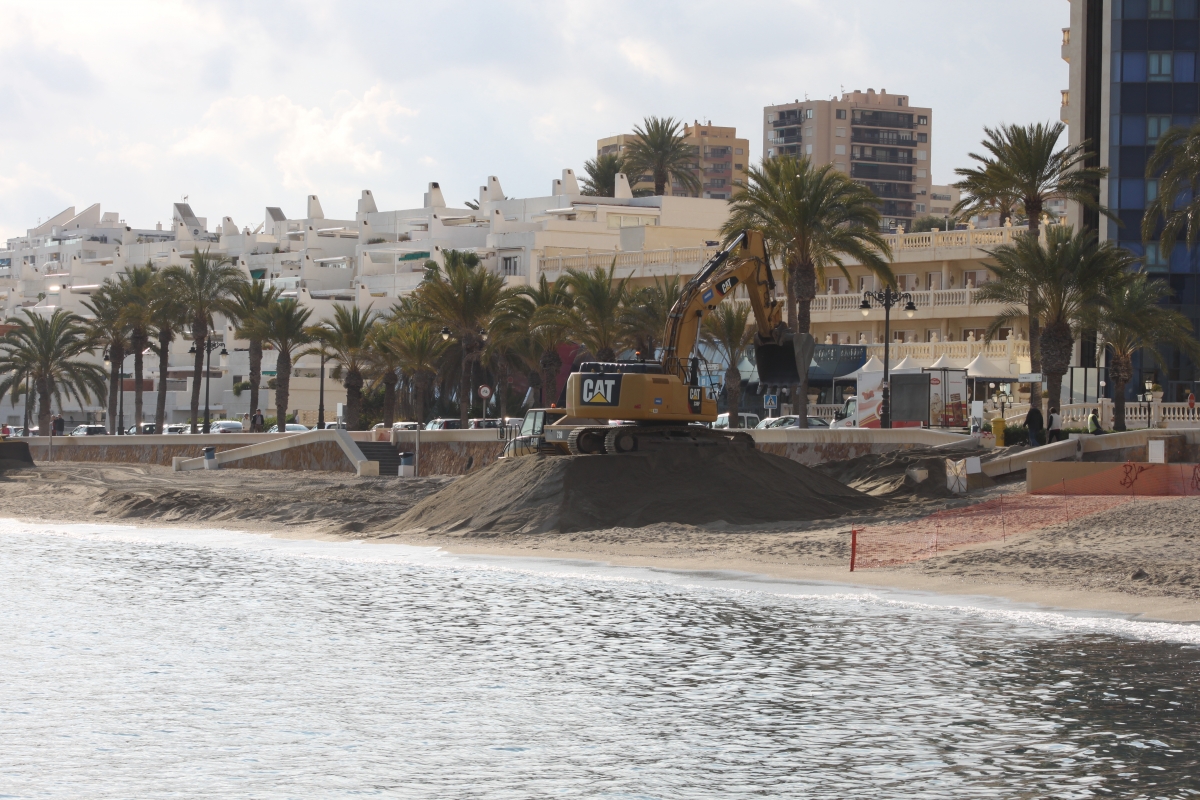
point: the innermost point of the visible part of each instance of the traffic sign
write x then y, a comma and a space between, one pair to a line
1191, 400
485, 392
770, 401
1029, 377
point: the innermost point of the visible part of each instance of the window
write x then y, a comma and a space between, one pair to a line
920, 208
739, 166
1151, 190
841, 113
899, 101
840, 132
839, 150
1154, 258
922, 173
1160, 66
770, 152
1161, 9
908, 283
922, 120
1156, 127
922, 137
510, 265
922, 155
835, 285
739, 152
933, 280
808, 113
808, 149
808, 131
866, 283
841, 165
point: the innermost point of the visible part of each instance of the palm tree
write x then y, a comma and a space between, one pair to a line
108, 330
463, 299
594, 317
646, 313
419, 347
249, 301
206, 287
384, 363
1025, 164
1175, 164
812, 218
727, 329
167, 316
658, 148
48, 351
1135, 318
984, 191
136, 288
601, 175
537, 318
1061, 278
348, 340
284, 325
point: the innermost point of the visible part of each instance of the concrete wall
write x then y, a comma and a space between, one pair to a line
161, 450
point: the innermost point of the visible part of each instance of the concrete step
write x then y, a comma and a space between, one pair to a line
384, 453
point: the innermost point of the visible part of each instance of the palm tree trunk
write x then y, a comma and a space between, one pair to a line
1034, 210
389, 400
550, 363
139, 345
29, 408
353, 383
164, 363
1056, 344
733, 393
44, 396
805, 283
464, 390
1120, 370
117, 356
199, 340
283, 379
256, 353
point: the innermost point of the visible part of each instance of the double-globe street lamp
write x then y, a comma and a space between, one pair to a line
1147, 398
209, 346
887, 298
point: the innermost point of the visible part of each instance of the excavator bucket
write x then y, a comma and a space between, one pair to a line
783, 364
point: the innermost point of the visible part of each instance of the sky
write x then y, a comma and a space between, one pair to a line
242, 105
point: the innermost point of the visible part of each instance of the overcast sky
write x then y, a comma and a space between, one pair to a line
244, 105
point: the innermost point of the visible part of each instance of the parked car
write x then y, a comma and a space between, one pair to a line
746, 420
291, 427
334, 425
147, 428
442, 424
225, 426
790, 421
89, 430
177, 428
406, 426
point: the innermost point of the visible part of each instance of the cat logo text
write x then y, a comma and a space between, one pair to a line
600, 390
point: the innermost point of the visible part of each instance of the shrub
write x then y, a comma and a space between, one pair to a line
240, 387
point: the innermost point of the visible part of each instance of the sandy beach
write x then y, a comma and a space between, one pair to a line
1138, 558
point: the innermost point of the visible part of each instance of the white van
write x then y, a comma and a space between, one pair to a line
747, 421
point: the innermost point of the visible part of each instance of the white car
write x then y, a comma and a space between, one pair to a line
789, 421
290, 428
176, 429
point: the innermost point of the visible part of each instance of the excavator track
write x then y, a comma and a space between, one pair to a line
620, 439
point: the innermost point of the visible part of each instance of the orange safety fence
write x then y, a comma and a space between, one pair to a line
992, 520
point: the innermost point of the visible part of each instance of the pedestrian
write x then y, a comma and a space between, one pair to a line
1094, 423
246, 422
5, 431
1033, 426
1055, 434
258, 422
60, 425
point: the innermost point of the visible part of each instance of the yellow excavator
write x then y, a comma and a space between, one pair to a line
629, 406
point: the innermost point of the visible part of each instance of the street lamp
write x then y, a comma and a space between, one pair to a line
321, 395
120, 431
209, 346
1000, 399
887, 298
1147, 398
445, 334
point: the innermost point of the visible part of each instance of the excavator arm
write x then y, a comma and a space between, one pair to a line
743, 263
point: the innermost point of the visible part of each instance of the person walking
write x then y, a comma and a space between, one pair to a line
258, 422
59, 426
1055, 434
1033, 425
246, 422
1094, 422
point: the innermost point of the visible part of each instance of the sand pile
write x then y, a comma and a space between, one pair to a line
893, 474
581, 493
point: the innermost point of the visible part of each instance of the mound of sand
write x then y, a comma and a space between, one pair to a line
583, 493
891, 474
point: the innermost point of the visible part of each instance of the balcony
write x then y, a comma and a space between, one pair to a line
883, 119
783, 123
885, 158
881, 172
880, 138
786, 139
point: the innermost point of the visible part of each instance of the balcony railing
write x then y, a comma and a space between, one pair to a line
882, 122
873, 137
786, 139
783, 123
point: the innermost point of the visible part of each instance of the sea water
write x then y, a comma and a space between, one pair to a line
141, 663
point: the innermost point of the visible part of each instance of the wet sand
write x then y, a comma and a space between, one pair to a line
1139, 558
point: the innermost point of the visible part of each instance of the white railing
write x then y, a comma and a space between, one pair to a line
928, 298
635, 260
1008, 351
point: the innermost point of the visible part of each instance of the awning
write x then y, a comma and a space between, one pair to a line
980, 367
873, 365
906, 365
944, 362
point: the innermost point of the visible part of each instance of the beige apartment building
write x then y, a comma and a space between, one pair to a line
876, 137
721, 160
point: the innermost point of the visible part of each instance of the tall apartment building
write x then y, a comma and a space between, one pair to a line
876, 137
721, 160
1133, 75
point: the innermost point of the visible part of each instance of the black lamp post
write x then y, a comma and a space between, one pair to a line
887, 298
209, 346
1147, 398
321, 395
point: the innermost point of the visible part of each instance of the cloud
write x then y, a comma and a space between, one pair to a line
649, 59
298, 139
